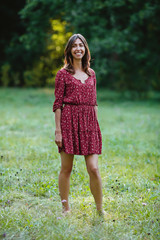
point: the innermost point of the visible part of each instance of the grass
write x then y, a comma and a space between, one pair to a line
30, 206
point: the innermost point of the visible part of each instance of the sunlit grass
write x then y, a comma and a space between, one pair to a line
30, 205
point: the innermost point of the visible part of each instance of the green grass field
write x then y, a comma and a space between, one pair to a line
30, 206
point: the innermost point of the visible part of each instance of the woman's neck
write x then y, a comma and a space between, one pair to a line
77, 65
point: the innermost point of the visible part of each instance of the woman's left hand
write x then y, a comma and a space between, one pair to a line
58, 138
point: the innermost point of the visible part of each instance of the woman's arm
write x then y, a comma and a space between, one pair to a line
58, 133
57, 106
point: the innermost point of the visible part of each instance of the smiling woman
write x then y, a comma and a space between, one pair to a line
78, 49
77, 128
77, 44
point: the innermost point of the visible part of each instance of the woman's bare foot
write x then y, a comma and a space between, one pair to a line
66, 212
101, 212
103, 215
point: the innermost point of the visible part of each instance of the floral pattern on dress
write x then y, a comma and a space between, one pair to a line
81, 133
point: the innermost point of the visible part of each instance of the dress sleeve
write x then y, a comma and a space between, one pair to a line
59, 91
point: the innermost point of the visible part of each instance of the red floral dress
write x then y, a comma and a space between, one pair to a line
81, 134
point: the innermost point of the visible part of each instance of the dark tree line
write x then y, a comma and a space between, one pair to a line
123, 37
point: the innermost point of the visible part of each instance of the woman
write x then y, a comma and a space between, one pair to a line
77, 129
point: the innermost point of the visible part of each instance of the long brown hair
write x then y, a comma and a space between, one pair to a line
68, 60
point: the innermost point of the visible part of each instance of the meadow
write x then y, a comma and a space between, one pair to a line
30, 206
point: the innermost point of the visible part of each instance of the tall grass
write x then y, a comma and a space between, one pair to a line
30, 206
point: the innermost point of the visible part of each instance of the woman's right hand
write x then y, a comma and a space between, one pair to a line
58, 138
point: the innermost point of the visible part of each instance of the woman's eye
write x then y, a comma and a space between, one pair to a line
73, 46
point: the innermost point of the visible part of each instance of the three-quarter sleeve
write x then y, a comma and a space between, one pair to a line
59, 91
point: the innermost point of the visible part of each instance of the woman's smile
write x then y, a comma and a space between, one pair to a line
78, 49
78, 53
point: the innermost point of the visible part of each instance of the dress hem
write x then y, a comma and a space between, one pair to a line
80, 154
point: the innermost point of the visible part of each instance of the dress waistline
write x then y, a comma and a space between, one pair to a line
79, 104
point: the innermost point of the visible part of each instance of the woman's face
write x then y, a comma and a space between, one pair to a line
78, 49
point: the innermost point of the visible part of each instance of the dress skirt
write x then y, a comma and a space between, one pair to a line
80, 130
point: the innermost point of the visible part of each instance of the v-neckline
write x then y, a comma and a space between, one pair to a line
79, 79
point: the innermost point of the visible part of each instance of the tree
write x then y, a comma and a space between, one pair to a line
123, 37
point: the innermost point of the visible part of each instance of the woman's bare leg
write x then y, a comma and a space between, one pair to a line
64, 178
95, 179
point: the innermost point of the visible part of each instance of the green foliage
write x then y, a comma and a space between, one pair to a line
34, 77
29, 166
5, 72
9, 77
38, 70
55, 48
123, 37
123, 40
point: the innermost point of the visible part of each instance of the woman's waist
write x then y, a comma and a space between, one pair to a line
79, 104
72, 108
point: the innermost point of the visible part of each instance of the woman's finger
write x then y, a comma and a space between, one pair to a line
59, 143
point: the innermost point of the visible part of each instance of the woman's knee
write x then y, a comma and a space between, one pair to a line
66, 171
66, 163
94, 171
